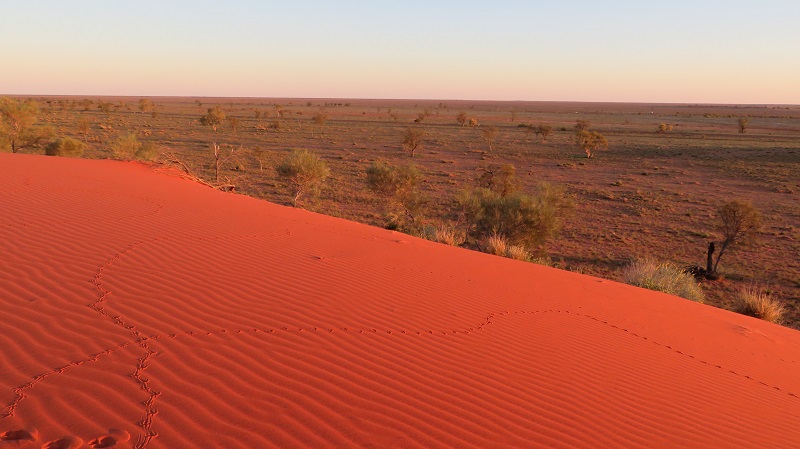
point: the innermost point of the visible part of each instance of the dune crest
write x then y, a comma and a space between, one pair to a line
141, 310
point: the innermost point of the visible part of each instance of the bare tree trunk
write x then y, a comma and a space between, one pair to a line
719, 255
710, 260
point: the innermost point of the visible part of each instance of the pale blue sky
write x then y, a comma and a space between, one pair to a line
680, 51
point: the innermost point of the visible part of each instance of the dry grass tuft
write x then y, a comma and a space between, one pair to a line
755, 302
496, 245
517, 252
499, 246
448, 236
663, 277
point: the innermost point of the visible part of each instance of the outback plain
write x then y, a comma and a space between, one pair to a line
653, 192
151, 298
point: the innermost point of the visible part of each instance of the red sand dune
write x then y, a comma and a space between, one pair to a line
139, 309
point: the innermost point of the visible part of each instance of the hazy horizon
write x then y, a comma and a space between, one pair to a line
710, 52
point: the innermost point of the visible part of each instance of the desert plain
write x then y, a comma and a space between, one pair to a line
142, 308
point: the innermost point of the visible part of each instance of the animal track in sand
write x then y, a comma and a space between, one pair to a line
114, 437
64, 443
20, 435
143, 439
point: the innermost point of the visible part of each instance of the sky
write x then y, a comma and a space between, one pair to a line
700, 51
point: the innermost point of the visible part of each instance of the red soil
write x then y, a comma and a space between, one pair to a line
138, 309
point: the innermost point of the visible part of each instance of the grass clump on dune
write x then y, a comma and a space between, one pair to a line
663, 277
756, 302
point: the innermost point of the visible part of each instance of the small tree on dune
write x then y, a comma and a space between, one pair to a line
303, 172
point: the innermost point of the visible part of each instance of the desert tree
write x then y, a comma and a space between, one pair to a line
473, 122
581, 125
590, 142
66, 147
214, 118
18, 124
145, 105
412, 139
544, 131
303, 172
86, 103
234, 123
490, 134
502, 179
513, 113
461, 118
398, 184
736, 222
742, 122
261, 156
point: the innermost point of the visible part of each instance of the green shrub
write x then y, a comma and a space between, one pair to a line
398, 184
65, 146
521, 219
664, 277
303, 172
128, 147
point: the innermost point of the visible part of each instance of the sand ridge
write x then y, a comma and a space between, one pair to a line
142, 310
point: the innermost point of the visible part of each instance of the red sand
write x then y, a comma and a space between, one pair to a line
138, 309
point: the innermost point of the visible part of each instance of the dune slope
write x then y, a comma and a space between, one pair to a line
138, 309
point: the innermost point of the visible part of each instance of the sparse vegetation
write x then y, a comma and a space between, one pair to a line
66, 147
663, 277
671, 188
303, 172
